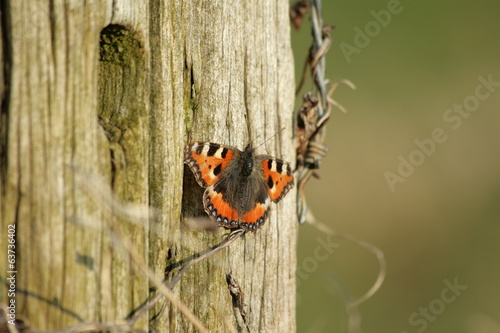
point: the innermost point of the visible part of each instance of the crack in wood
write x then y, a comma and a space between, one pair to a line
239, 306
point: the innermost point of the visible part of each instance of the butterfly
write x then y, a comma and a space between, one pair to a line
239, 184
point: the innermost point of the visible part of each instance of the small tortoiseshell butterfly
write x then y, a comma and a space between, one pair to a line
239, 185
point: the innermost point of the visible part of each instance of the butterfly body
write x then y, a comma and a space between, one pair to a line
240, 185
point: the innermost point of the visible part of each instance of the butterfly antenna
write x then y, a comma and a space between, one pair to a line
281, 130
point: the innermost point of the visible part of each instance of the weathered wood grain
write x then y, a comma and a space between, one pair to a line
100, 97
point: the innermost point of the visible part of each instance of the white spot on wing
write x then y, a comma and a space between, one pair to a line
273, 166
206, 147
218, 153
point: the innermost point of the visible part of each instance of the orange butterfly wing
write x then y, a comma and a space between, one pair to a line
207, 160
277, 175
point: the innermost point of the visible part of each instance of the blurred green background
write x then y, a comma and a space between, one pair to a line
441, 225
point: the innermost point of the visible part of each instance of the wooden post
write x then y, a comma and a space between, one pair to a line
98, 100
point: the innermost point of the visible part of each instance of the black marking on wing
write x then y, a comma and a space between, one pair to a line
218, 169
213, 148
269, 164
270, 182
279, 167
